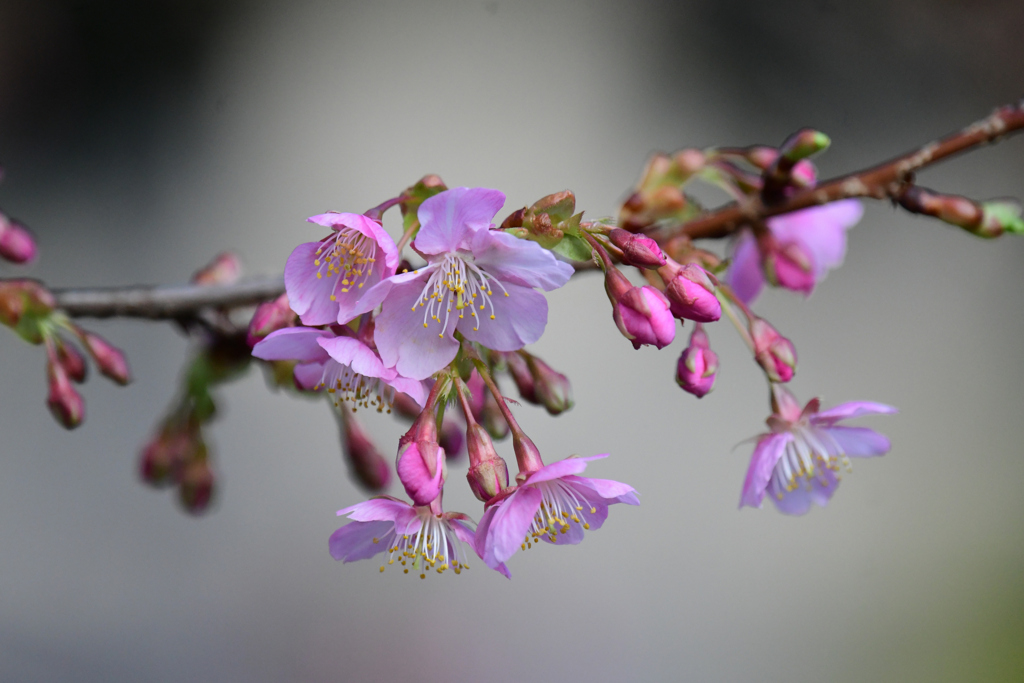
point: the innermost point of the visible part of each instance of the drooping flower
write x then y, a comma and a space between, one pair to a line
552, 504
325, 280
421, 538
345, 367
798, 461
477, 281
809, 243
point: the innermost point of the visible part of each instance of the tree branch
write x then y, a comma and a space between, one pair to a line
889, 179
165, 303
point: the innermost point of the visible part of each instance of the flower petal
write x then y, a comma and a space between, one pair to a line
414, 351
745, 275
361, 540
421, 485
518, 261
798, 501
821, 230
447, 217
293, 343
609, 490
308, 375
508, 524
846, 411
859, 442
562, 468
368, 227
376, 295
309, 295
376, 509
767, 452
519, 319
356, 355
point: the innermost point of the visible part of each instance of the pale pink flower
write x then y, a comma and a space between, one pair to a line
798, 461
326, 280
552, 504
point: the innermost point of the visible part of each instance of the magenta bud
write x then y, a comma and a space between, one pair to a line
637, 250
109, 359
451, 439
72, 361
477, 394
64, 402
162, 458
16, 244
224, 269
270, 316
491, 417
641, 313
773, 352
789, 265
196, 486
488, 474
521, 375
365, 462
697, 366
553, 389
420, 462
691, 293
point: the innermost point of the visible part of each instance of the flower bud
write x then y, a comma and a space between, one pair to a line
691, 293
109, 359
696, 369
451, 439
72, 361
804, 143
553, 390
773, 352
16, 244
477, 394
22, 304
488, 474
162, 458
270, 316
366, 465
64, 402
197, 484
491, 417
521, 375
421, 461
637, 250
788, 265
224, 269
641, 313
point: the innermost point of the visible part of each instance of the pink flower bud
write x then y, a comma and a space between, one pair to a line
24, 297
553, 389
451, 439
365, 462
789, 265
477, 395
162, 458
224, 269
16, 244
109, 359
64, 402
421, 461
637, 250
691, 293
696, 369
489, 473
72, 361
196, 486
521, 375
773, 352
270, 316
491, 417
641, 313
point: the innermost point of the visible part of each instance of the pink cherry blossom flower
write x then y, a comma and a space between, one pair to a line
551, 504
419, 538
346, 367
810, 243
325, 280
798, 461
477, 281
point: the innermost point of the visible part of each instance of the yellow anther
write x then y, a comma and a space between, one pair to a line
382, 569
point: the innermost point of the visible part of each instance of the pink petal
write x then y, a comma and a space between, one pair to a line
308, 375
745, 276
355, 540
562, 468
421, 485
821, 229
448, 217
293, 343
368, 227
415, 389
309, 295
376, 295
519, 319
376, 509
508, 524
404, 344
798, 501
846, 411
859, 442
519, 261
355, 354
766, 454
609, 490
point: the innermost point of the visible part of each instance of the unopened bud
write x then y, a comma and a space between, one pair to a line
1001, 216
16, 244
25, 301
270, 316
366, 464
804, 143
637, 250
695, 371
72, 361
224, 269
773, 352
451, 439
788, 265
197, 484
488, 473
491, 417
64, 402
521, 375
690, 293
420, 462
552, 389
688, 162
641, 313
162, 458
109, 359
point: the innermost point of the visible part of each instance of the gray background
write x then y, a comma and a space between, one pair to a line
141, 138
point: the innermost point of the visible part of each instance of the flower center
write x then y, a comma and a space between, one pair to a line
349, 254
807, 457
344, 384
435, 546
460, 284
560, 506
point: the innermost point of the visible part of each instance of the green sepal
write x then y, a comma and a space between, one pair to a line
573, 248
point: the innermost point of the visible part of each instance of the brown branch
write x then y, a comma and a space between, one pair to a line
165, 303
885, 180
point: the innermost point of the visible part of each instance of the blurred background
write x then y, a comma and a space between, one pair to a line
139, 139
